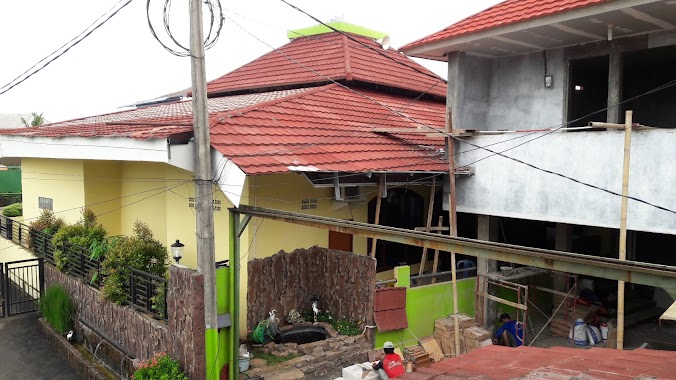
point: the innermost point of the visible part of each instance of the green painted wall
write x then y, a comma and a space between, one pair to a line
216, 360
10, 181
426, 304
338, 25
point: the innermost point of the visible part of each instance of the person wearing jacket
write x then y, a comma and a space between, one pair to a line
391, 366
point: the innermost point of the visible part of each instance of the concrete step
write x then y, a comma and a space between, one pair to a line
636, 318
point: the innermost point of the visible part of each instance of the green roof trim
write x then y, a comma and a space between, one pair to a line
339, 25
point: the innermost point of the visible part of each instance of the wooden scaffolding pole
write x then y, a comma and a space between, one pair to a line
430, 209
452, 222
435, 264
623, 226
381, 188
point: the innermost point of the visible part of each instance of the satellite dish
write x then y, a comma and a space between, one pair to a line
386, 42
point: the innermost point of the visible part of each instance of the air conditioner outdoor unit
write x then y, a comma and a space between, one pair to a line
351, 194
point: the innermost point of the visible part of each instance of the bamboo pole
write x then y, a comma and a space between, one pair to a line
452, 222
377, 218
623, 227
428, 224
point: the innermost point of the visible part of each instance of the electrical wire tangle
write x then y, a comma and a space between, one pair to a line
178, 49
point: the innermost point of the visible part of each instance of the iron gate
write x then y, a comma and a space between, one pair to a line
21, 286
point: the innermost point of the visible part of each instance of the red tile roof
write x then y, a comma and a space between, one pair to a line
329, 129
157, 119
308, 60
499, 362
505, 13
325, 128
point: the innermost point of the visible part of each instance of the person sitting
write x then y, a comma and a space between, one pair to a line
391, 366
510, 333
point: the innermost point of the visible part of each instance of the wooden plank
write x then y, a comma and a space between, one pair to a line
377, 218
428, 224
670, 314
553, 291
504, 301
431, 229
435, 264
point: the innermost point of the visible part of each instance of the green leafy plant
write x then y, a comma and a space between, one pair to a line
15, 209
140, 251
343, 326
41, 230
160, 302
47, 222
346, 327
57, 308
274, 359
161, 367
84, 233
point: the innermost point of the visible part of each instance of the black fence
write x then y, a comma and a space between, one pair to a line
143, 291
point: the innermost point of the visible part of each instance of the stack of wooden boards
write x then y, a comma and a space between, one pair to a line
472, 336
565, 317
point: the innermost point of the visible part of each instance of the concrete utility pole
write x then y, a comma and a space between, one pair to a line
206, 257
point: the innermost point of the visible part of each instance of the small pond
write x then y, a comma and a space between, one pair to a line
302, 335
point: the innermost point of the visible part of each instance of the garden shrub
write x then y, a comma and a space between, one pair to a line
161, 367
46, 223
83, 233
15, 209
57, 308
140, 251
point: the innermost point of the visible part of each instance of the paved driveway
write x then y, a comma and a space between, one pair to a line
25, 353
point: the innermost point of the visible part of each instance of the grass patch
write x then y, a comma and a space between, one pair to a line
57, 308
15, 209
273, 359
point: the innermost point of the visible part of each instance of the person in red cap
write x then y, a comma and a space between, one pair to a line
390, 367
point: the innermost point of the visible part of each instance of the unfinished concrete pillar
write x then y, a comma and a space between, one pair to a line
614, 87
487, 229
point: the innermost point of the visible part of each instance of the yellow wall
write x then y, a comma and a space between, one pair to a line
102, 188
286, 192
61, 180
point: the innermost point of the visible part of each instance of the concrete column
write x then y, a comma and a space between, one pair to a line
614, 87
563, 241
455, 89
487, 229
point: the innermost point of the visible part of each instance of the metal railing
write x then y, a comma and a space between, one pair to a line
143, 291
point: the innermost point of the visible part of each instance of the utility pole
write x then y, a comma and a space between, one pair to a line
452, 222
206, 257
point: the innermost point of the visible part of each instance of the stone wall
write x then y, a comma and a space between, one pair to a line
343, 282
185, 309
141, 335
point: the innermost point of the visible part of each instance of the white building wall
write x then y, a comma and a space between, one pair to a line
503, 187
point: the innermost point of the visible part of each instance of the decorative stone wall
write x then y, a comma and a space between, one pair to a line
185, 309
321, 360
182, 337
344, 283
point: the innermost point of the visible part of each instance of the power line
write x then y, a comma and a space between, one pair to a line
464, 141
68, 45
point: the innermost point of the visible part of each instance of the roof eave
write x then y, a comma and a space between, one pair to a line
438, 50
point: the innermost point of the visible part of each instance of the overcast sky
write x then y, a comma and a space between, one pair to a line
121, 63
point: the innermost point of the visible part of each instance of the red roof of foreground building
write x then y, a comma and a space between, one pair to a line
331, 56
329, 128
561, 363
505, 13
158, 121
326, 128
